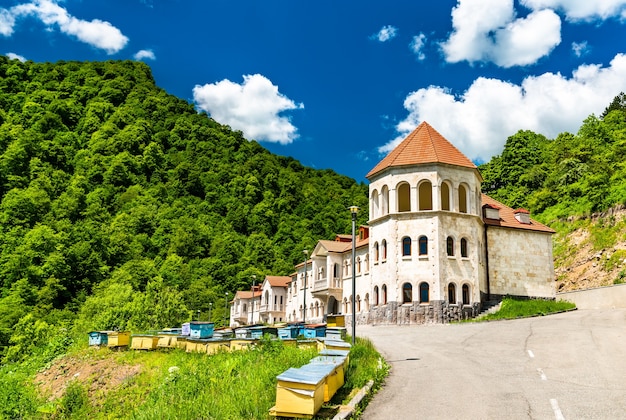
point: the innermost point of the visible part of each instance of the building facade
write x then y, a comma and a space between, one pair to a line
435, 248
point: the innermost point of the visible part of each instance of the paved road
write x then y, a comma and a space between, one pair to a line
566, 366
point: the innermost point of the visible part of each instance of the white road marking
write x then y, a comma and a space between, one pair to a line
543, 375
557, 411
531, 354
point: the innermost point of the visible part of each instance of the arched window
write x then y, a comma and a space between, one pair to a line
267, 297
358, 303
375, 295
358, 265
245, 308
384, 244
345, 268
407, 293
385, 200
375, 204
450, 246
463, 247
345, 305
406, 246
367, 302
375, 252
336, 270
445, 196
451, 294
462, 199
426, 196
384, 291
321, 275
367, 263
404, 197
423, 245
317, 309
466, 294
424, 293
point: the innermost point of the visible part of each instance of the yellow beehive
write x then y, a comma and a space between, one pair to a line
196, 346
118, 338
336, 320
144, 342
181, 343
167, 341
299, 393
336, 376
308, 344
242, 343
216, 346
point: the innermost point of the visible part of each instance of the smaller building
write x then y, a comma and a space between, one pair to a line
265, 303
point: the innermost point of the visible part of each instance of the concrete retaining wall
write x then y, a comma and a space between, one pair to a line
610, 297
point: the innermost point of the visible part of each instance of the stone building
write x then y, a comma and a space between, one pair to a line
435, 248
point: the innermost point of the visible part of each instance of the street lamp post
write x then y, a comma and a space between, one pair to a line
354, 210
306, 258
210, 309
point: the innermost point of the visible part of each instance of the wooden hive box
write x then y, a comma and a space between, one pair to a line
259, 332
98, 338
336, 320
330, 380
196, 345
118, 338
336, 377
181, 343
336, 333
343, 354
307, 344
299, 393
200, 329
336, 345
144, 342
242, 343
216, 345
314, 330
167, 340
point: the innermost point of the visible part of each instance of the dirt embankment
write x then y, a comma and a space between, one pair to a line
581, 265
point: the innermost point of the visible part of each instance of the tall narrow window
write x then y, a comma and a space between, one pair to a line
406, 246
462, 199
384, 291
451, 294
385, 200
424, 293
375, 295
358, 265
375, 252
404, 197
450, 246
463, 247
445, 196
466, 294
407, 293
375, 204
423, 245
384, 243
425, 196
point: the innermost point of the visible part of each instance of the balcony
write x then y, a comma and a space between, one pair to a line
328, 285
272, 308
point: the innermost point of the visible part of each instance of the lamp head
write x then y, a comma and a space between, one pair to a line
354, 209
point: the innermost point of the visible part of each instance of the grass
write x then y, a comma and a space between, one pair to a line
175, 384
520, 308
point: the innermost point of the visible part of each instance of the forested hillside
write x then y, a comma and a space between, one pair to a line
123, 207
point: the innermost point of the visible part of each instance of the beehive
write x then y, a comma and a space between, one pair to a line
200, 329
299, 393
336, 320
144, 342
118, 338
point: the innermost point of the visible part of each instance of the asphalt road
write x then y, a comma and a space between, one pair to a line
565, 366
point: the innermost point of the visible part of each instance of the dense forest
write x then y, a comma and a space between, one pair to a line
123, 207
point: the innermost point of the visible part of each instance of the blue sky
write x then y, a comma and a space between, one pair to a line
336, 84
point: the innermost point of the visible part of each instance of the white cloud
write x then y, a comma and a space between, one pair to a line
97, 33
7, 22
417, 46
488, 30
253, 107
14, 56
144, 54
580, 48
479, 121
581, 9
385, 34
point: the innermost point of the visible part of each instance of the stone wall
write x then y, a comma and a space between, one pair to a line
435, 312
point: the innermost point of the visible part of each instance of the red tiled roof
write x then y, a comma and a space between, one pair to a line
423, 145
278, 281
507, 217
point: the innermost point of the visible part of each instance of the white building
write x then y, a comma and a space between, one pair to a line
435, 249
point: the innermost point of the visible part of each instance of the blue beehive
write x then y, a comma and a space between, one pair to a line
200, 329
260, 331
98, 338
314, 330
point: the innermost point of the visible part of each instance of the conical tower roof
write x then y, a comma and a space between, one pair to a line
423, 145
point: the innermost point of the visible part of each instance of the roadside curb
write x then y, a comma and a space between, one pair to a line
347, 410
